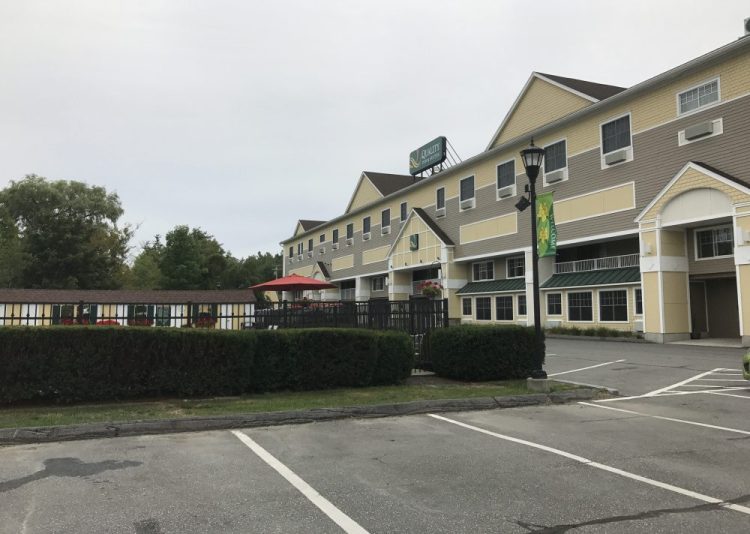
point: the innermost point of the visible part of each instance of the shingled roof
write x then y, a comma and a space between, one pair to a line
389, 183
599, 91
308, 224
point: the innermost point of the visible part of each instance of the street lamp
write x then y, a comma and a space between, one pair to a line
532, 157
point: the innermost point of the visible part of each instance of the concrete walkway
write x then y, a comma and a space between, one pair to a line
729, 342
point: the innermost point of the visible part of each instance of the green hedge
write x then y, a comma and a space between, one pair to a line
478, 353
70, 363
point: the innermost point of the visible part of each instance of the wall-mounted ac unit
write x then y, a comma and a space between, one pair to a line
638, 326
699, 130
322, 250
507, 191
335, 246
349, 241
555, 176
467, 204
618, 156
300, 257
440, 212
366, 237
385, 230
309, 253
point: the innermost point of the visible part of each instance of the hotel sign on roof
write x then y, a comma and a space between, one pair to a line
427, 156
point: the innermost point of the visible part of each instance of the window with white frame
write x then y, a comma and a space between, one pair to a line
506, 175
440, 198
484, 308
521, 304
555, 157
515, 267
335, 237
309, 245
385, 218
322, 238
350, 231
638, 301
291, 251
366, 225
483, 270
504, 308
698, 97
554, 303
616, 134
403, 211
377, 283
580, 306
467, 188
714, 242
613, 305
466, 306
300, 248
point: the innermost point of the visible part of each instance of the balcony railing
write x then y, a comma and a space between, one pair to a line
598, 264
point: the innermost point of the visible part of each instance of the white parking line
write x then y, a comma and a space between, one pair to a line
584, 368
728, 394
723, 379
603, 467
346, 523
682, 383
672, 419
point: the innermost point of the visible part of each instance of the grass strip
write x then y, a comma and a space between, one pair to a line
118, 412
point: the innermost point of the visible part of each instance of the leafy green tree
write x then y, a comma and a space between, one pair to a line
62, 234
191, 259
145, 272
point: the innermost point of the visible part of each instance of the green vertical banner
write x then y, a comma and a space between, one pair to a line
546, 232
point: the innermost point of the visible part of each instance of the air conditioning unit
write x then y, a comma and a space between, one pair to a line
366, 237
467, 204
335, 246
507, 191
385, 230
555, 176
440, 212
349, 241
637, 326
618, 156
300, 257
322, 250
309, 253
699, 130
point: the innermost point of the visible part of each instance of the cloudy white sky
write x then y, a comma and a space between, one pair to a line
240, 116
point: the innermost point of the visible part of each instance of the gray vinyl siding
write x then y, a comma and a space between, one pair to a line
708, 266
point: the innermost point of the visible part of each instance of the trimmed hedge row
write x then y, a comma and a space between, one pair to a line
477, 353
69, 364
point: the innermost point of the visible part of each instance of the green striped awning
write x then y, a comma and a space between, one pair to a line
494, 286
628, 275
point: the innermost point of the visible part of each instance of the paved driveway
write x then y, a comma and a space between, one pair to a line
672, 458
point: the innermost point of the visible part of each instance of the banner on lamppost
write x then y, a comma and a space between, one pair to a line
546, 232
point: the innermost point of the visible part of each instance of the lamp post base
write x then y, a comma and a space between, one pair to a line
539, 385
539, 374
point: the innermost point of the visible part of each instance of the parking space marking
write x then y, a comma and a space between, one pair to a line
346, 523
672, 419
584, 368
603, 467
723, 394
681, 383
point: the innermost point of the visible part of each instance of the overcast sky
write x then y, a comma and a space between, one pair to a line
240, 117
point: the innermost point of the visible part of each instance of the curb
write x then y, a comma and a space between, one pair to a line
17, 436
597, 338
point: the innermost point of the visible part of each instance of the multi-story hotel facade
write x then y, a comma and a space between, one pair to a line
651, 189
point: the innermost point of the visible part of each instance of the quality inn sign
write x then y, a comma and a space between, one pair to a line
427, 156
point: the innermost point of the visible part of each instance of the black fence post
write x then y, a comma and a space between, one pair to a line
445, 313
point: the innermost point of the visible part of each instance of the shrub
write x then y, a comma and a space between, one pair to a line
601, 331
482, 352
68, 364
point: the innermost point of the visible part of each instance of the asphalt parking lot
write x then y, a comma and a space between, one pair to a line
670, 456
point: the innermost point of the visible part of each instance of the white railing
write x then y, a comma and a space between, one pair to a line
348, 294
597, 264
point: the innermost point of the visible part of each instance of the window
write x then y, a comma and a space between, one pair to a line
310, 245
162, 315
467, 189
291, 251
377, 283
579, 307
350, 231
403, 211
554, 303
639, 301
440, 200
616, 134
506, 174
484, 310
466, 306
503, 308
484, 270
698, 97
336, 235
366, 225
714, 242
613, 305
322, 238
515, 267
300, 248
385, 218
62, 314
521, 304
555, 157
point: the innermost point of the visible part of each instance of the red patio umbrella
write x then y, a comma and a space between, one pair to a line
293, 282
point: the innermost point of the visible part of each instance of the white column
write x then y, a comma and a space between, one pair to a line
362, 289
546, 270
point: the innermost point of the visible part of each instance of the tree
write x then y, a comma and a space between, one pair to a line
145, 272
191, 259
62, 234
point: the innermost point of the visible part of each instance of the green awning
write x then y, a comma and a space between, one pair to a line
494, 286
628, 275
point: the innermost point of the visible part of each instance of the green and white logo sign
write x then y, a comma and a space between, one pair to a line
427, 156
414, 242
546, 232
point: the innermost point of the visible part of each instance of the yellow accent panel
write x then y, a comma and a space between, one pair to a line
495, 227
595, 203
429, 246
744, 285
673, 243
694, 179
649, 243
365, 194
303, 271
540, 104
675, 289
743, 209
344, 262
743, 221
651, 302
375, 255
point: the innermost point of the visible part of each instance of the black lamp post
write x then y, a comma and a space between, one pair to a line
532, 157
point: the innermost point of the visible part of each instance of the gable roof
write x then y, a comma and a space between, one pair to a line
308, 224
389, 183
598, 91
434, 228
